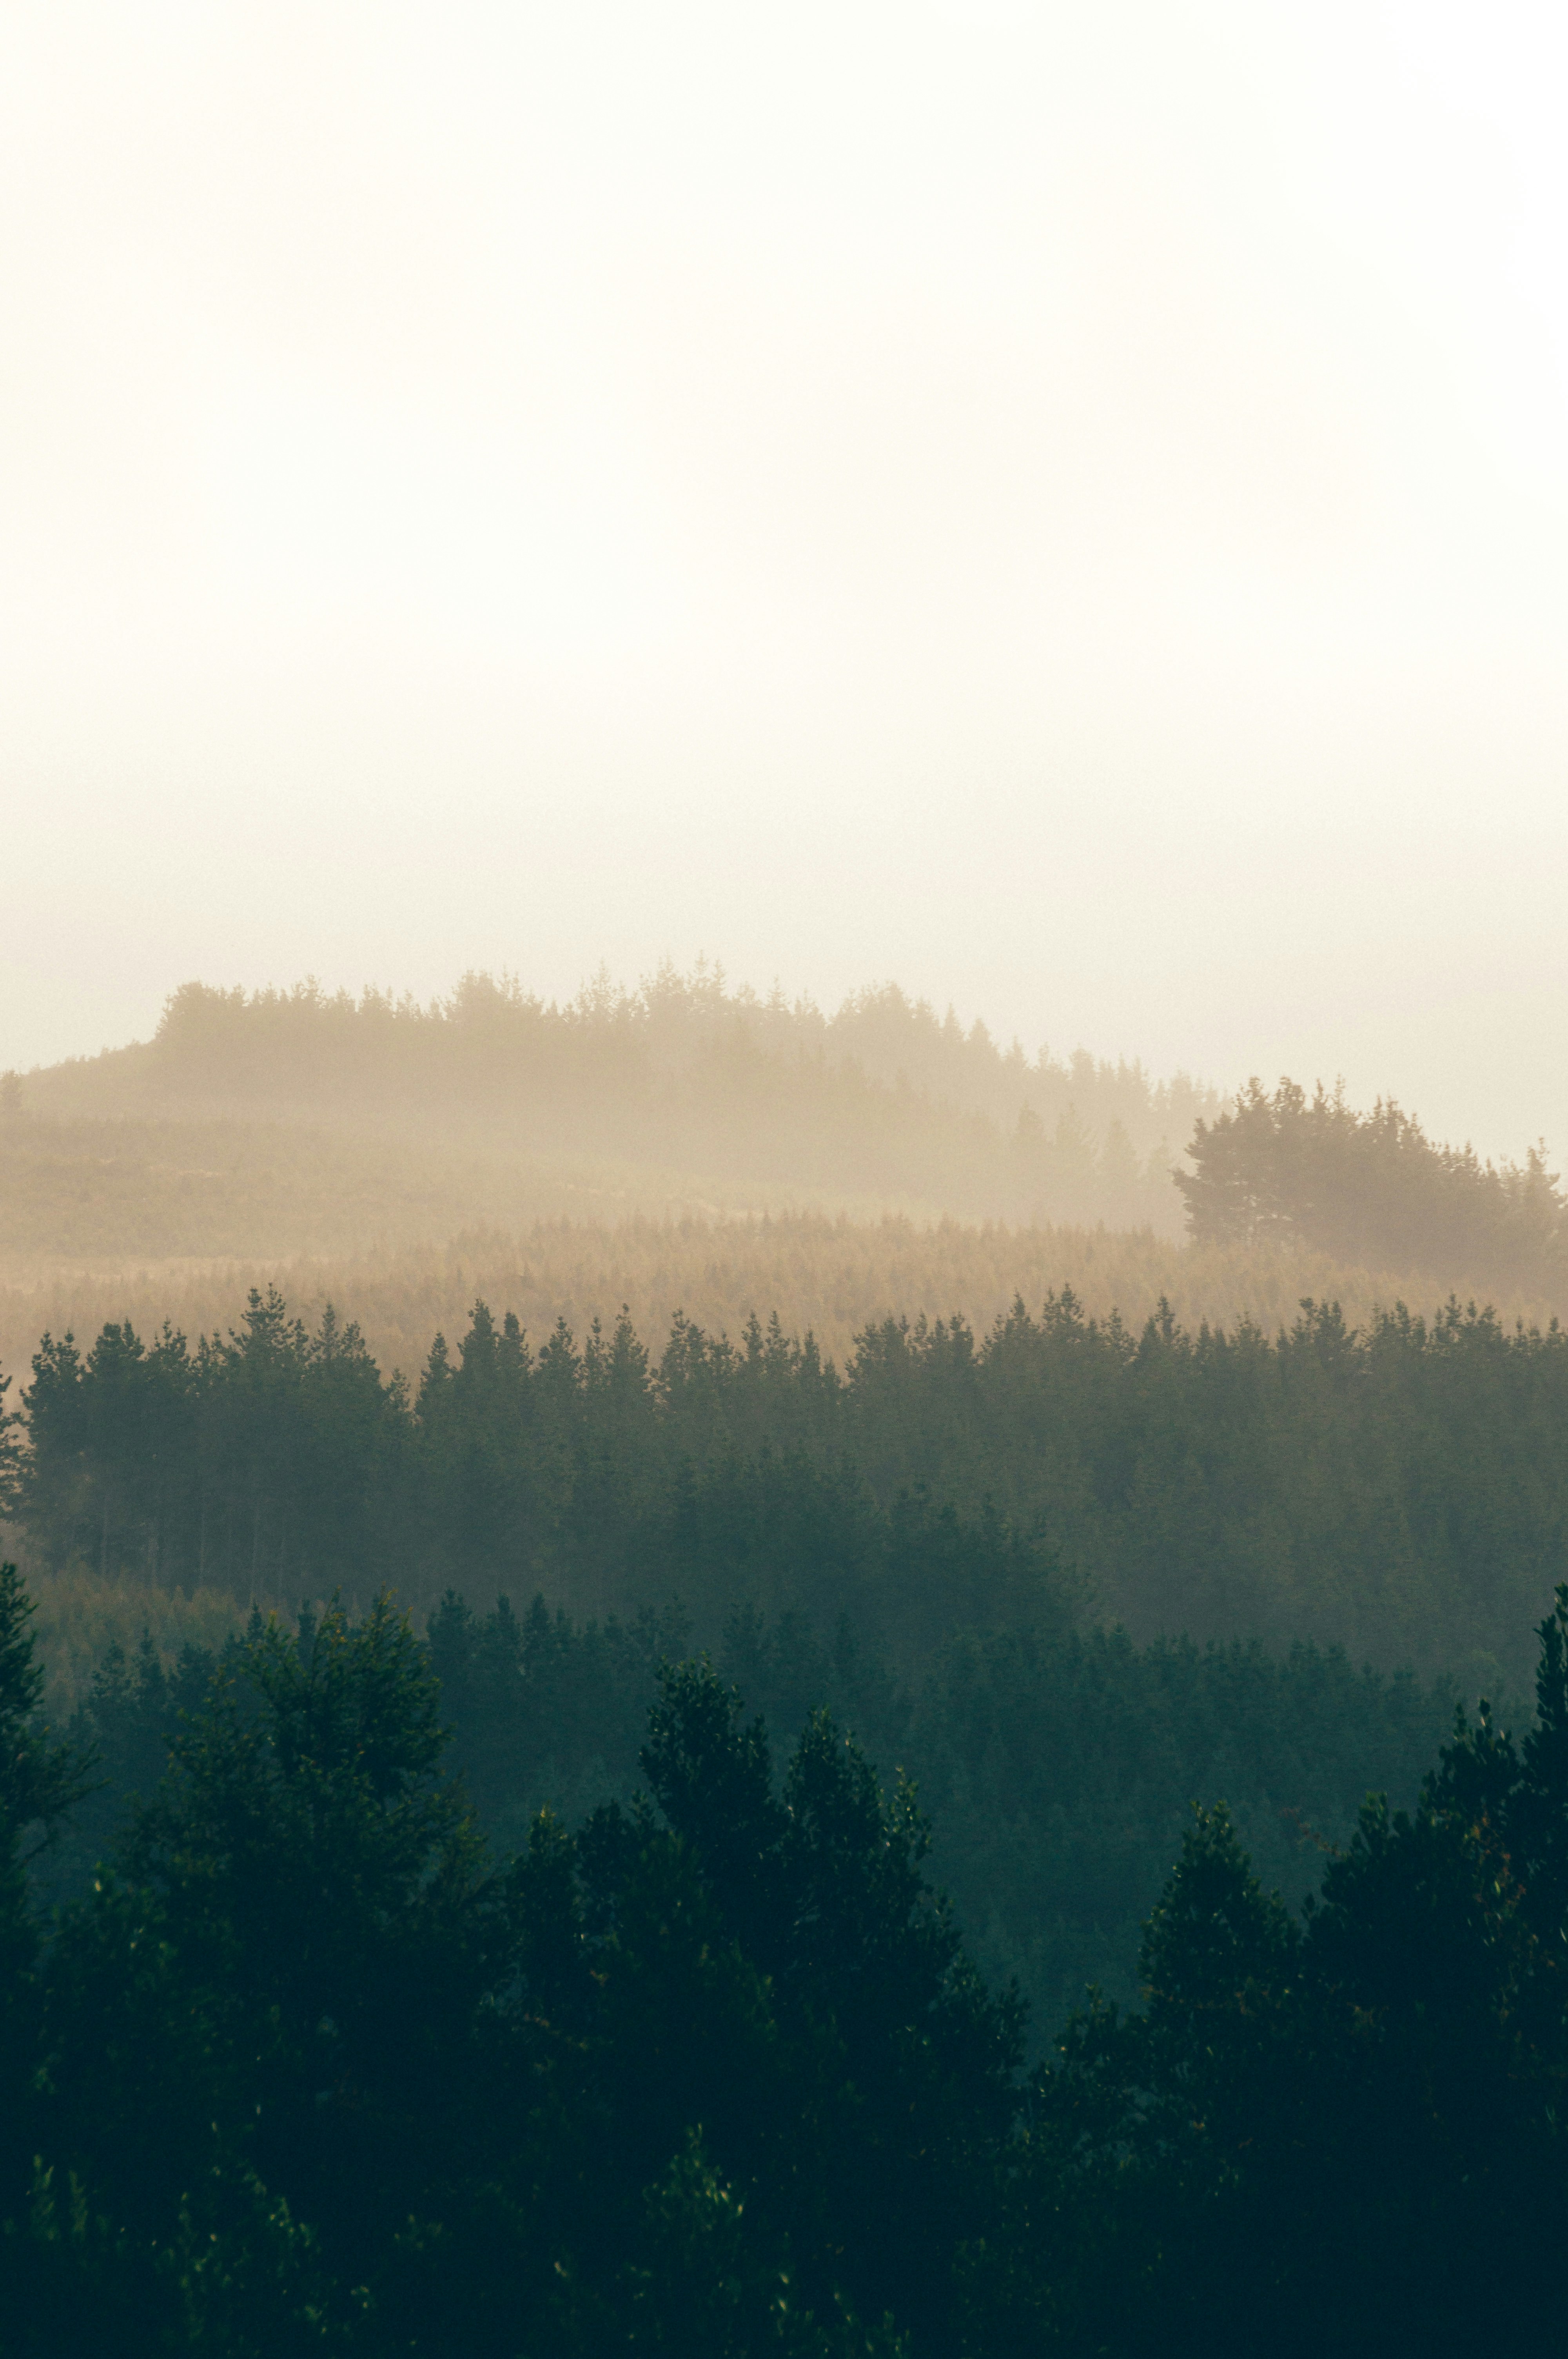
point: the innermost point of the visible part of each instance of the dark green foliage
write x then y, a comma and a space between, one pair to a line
254, 2033
10, 1450
279, 1975
1338, 2132
265, 1456
711, 2073
770, 1962
544, 1711
41, 1780
1058, 1766
132, 1713
1060, 1773
1401, 1491
1372, 1189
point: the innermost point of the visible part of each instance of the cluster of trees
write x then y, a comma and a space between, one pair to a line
313, 2068
1059, 1765
490, 1040
258, 1123
680, 1086
1372, 1189
1401, 1490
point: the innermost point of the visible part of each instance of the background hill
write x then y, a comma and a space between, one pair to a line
212, 1137
685, 1146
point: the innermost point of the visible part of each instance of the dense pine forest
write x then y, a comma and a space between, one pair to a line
1399, 1489
1182, 1548
862, 1653
558, 1828
1059, 1764
832, 1276
317, 2063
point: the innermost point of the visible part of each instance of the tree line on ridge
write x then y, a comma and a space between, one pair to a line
1400, 1490
881, 1099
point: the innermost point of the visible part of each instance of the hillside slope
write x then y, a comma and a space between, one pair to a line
680, 1090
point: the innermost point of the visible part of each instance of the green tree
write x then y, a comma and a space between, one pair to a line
772, 1971
1338, 2132
41, 1780
273, 2002
10, 1453
1370, 1187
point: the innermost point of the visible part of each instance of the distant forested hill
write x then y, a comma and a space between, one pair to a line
882, 1103
280, 1124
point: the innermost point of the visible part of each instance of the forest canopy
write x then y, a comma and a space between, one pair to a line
1370, 1189
490, 1038
1400, 1489
682, 1086
312, 2065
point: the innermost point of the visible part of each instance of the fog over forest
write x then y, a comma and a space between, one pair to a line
847, 1638
527, 1392
442, 1426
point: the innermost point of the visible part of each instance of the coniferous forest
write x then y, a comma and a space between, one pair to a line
315, 2063
1043, 1830
1399, 1490
847, 1638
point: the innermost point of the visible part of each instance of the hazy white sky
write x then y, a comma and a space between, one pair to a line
1063, 506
